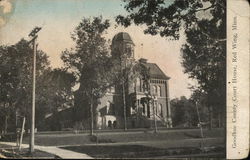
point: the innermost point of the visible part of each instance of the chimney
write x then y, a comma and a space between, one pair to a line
143, 60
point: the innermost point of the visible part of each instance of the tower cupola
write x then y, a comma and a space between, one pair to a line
122, 45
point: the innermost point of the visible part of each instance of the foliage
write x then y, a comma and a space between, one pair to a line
16, 77
55, 95
53, 87
90, 62
184, 113
167, 17
89, 59
204, 59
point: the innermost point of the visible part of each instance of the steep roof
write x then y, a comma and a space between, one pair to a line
155, 71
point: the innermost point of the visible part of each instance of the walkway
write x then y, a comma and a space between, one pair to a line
62, 153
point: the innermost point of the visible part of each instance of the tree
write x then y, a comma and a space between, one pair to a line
16, 79
204, 59
90, 62
184, 112
205, 50
55, 94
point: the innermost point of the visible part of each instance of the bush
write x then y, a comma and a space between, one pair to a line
95, 139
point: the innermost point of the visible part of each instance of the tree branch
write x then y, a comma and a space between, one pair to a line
204, 9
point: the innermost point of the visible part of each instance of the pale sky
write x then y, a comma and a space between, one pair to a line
59, 18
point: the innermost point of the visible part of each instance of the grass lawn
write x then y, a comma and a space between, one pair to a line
118, 137
138, 151
137, 144
13, 152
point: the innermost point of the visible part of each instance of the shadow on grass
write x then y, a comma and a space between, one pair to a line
97, 139
192, 135
131, 151
24, 153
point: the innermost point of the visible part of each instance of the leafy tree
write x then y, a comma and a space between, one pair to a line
184, 112
167, 17
208, 67
55, 94
16, 78
90, 62
204, 23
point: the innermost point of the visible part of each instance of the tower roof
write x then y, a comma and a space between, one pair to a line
122, 37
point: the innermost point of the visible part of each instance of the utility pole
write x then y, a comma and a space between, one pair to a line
21, 136
200, 125
34, 36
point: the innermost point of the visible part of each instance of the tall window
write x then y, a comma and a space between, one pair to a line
160, 112
108, 107
158, 90
138, 83
144, 87
154, 90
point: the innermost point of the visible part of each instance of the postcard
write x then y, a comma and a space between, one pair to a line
93, 79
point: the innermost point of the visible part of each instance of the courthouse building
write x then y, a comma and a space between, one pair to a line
143, 106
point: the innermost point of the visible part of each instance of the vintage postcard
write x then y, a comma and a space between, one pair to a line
155, 79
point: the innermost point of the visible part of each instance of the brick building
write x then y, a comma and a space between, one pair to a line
143, 105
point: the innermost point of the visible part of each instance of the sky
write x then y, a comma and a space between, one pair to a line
59, 18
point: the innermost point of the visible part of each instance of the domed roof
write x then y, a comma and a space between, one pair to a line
122, 37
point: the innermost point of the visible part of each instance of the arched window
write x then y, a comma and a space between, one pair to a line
110, 124
154, 90
158, 90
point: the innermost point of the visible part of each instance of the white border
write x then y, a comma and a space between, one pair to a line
237, 79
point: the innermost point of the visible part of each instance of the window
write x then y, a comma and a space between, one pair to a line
108, 107
154, 90
158, 90
160, 112
138, 83
143, 109
112, 89
129, 50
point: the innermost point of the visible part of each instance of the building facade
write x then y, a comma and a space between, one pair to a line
139, 102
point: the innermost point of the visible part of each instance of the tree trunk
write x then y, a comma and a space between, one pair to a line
124, 107
91, 116
155, 123
6, 124
210, 118
219, 120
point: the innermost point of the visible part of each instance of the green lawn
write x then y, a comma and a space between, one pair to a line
13, 152
139, 151
138, 144
119, 137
